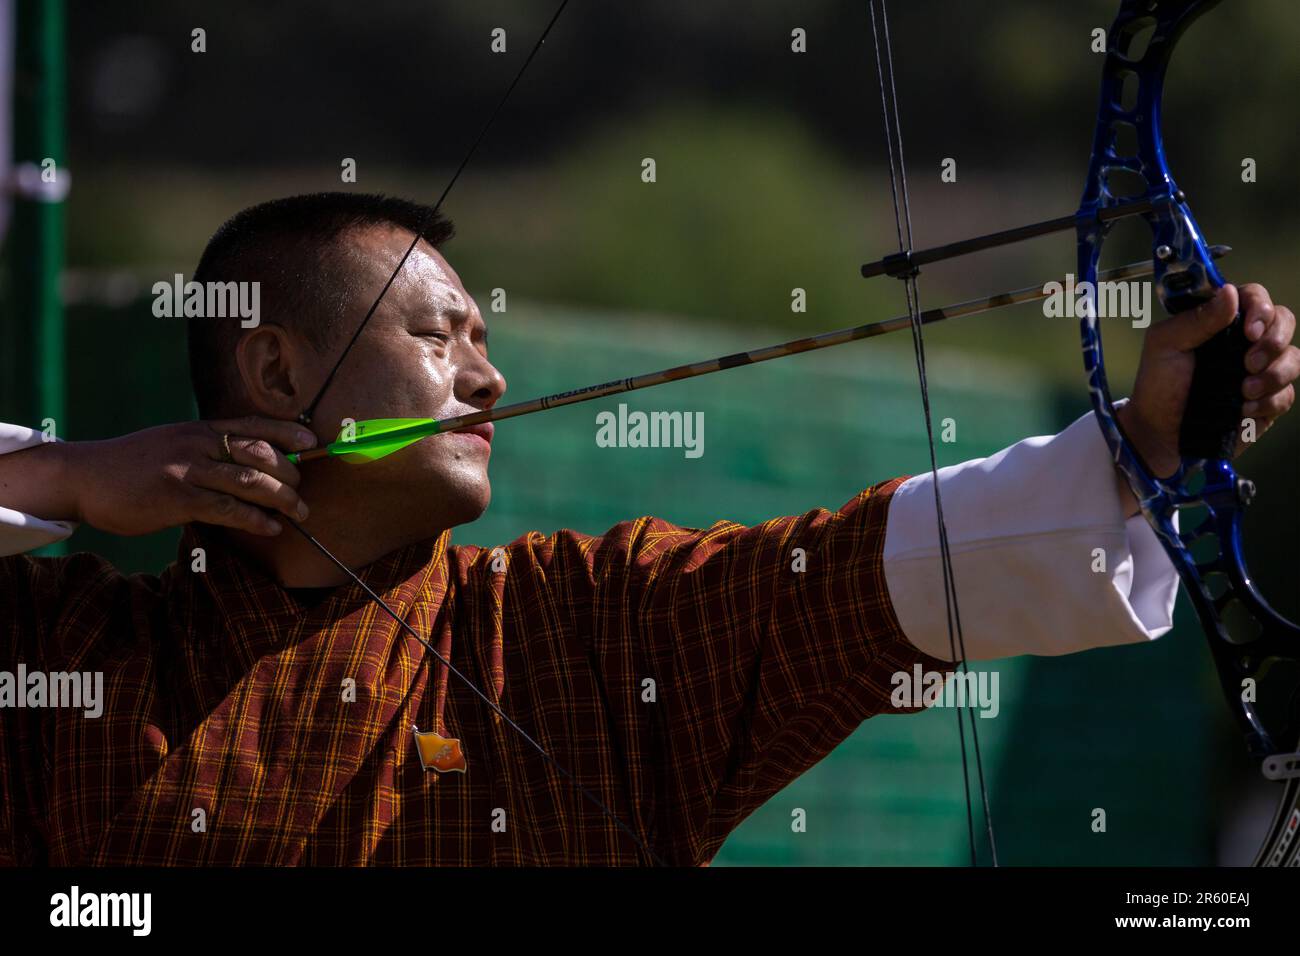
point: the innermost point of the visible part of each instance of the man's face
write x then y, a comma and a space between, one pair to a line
422, 355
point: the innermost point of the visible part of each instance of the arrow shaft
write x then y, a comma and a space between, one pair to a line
679, 373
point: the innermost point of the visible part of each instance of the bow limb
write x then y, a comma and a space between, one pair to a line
1256, 651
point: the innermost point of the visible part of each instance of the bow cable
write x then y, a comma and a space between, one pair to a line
903, 228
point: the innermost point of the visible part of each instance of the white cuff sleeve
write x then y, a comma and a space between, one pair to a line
1044, 561
21, 532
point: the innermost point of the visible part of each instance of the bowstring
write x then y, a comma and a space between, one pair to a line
903, 230
306, 415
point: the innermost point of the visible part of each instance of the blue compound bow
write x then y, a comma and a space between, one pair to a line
1256, 651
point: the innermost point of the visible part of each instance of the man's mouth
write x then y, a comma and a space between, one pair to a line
481, 432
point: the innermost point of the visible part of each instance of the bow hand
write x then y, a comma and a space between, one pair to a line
1247, 370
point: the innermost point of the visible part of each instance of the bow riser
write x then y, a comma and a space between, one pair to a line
1247, 637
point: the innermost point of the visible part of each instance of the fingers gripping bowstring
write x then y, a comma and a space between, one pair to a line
903, 229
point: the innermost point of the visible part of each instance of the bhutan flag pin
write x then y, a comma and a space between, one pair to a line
437, 752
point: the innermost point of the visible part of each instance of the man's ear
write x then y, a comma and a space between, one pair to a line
270, 363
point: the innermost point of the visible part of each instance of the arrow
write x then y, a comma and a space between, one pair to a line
377, 437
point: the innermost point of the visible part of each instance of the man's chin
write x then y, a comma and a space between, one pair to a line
478, 508
463, 505
427, 522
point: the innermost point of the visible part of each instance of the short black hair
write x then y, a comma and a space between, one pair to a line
293, 247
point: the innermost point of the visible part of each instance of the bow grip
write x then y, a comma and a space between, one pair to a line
1212, 418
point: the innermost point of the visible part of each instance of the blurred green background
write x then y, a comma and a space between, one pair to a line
770, 177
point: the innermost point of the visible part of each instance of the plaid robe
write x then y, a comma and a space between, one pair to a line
684, 676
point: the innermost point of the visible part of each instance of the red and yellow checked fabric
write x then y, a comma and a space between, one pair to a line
685, 676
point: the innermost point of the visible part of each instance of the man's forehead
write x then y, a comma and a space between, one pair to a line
425, 276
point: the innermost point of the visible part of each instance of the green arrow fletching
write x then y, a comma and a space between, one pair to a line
373, 439
378, 437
